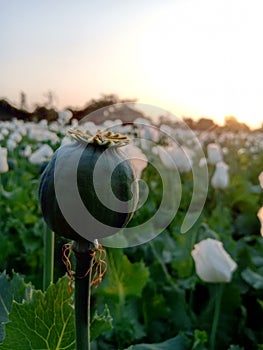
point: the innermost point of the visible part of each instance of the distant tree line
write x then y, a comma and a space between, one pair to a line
125, 113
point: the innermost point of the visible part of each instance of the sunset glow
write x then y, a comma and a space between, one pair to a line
193, 58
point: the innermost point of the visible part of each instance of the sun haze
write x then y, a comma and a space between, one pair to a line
192, 58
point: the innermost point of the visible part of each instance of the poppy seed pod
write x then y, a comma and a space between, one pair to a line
89, 189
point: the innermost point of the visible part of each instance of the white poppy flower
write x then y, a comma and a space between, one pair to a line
66, 140
3, 160
165, 153
74, 123
220, 179
11, 144
26, 152
183, 159
212, 262
64, 116
260, 178
41, 134
260, 217
43, 154
4, 132
137, 158
15, 136
43, 123
176, 158
202, 162
214, 153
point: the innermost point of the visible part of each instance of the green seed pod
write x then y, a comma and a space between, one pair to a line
89, 190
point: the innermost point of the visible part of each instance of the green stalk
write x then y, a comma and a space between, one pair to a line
2, 190
48, 257
218, 299
163, 266
84, 260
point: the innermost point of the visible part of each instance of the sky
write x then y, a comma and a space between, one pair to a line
196, 58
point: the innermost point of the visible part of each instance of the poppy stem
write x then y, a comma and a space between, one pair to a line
48, 257
84, 259
218, 298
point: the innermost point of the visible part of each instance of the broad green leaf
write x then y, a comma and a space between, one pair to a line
180, 342
100, 323
131, 319
11, 289
252, 278
179, 315
124, 278
156, 313
46, 322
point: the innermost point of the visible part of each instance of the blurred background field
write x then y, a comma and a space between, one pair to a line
153, 291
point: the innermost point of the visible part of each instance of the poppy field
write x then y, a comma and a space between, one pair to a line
191, 279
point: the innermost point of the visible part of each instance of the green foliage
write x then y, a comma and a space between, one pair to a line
119, 281
31, 319
254, 279
154, 298
44, 322
21, 225
200, 339
100, 323
11, 290
180, 342
121, 289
